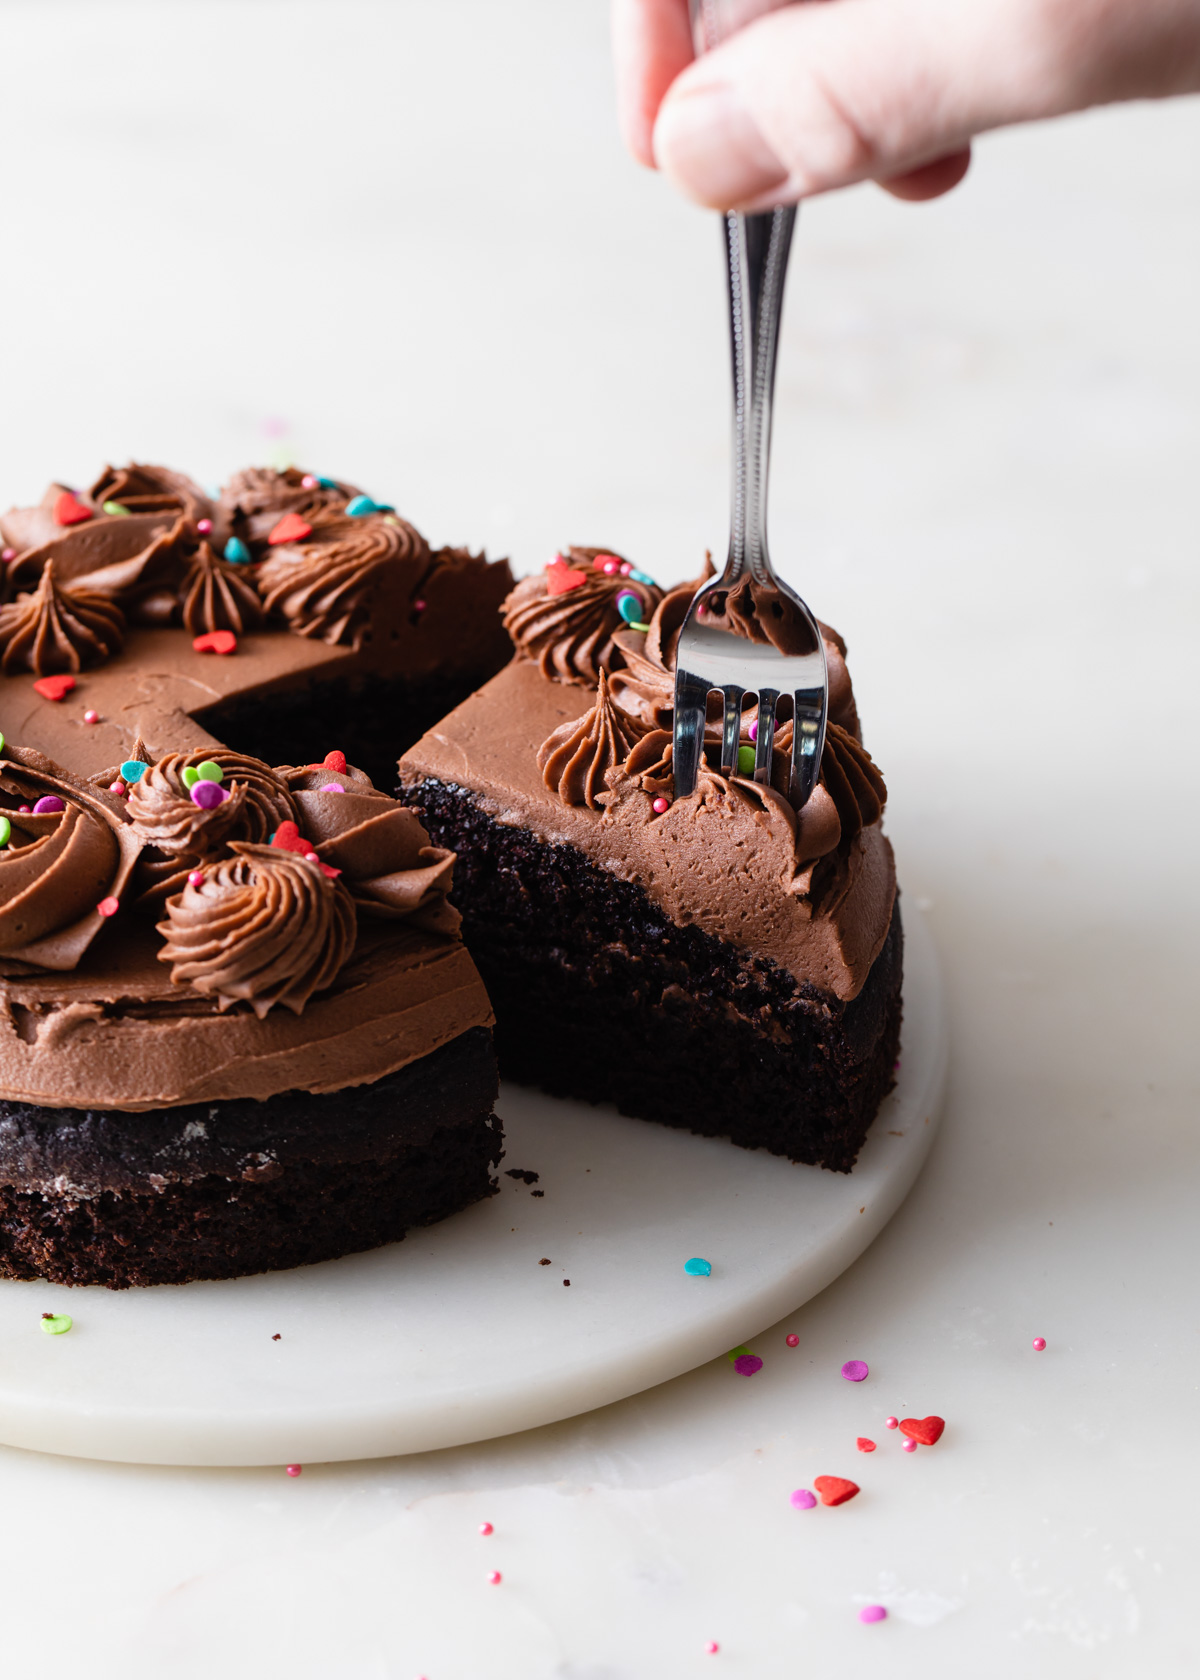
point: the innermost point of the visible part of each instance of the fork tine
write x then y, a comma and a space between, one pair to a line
765, 740
733, 727
808, 743
691, 705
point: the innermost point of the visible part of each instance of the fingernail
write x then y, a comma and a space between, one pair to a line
710, 145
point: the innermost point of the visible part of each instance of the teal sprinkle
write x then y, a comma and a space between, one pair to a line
640, 577
236, 552
327, 483
362, 505
698, 1267
745, 761
630, 608
133, 770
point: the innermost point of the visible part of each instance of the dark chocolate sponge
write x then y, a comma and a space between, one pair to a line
599, 995
218, 1190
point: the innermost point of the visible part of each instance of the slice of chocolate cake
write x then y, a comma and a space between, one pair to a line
720, 962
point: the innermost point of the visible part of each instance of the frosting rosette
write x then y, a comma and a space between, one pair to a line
214, 595
578, 757
68, 851
144, 489
262, 927
254, 500
53, 629
565, 618
329, 585
379, 847
163, 810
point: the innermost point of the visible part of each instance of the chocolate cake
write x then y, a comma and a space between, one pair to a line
719, 962
238, 1026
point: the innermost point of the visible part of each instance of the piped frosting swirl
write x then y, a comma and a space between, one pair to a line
565, 617
164, 813
54, 629
578, 757
328, 585
217, 596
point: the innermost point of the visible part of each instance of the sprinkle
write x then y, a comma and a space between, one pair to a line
210, 771
793, 1340
608, 564
803, 1500
418, 606
864, 1443
9, 554
712, 1648
327, 483
236, 552
910, 1446
640, 577
189, 775
90, 716
494, 1578
855, 1370
5, 831
294, 1469
54, 688
644, 628
485, 1529
626, 568
1039, 1342
134, 769
698, 1267
109, 906
745, 1363
69, 510
208, 795
872, 1613
216, 641
629, 607
204, 526
835, 1490
332, 787
891, 1423
336, 761
47, 803
1, 743
119, 788
560, 577
195, 877
311, 857
291, 528
56, 1324
24, 809
309, 481
745, 762
753, 729
115, 510
362, 505
660, 805
925, 1430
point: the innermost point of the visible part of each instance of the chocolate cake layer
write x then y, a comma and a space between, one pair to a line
220, 1190
600, 995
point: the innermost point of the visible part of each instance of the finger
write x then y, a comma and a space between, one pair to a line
652, 43
932, 179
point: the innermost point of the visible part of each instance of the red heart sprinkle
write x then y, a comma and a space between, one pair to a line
864, 1444
68, 510
287, 838
335, 761
291, 528
925, 1430
216, 641
54, 688
835, 1490
560, 577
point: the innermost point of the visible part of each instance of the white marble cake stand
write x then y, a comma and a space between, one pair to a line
458, 1334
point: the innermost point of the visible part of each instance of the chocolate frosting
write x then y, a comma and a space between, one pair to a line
254, 500
578, 756
263, 927
217, 596
570, 636
161, 807
125, 558
144, 489
58, 866
329, 585
56, 629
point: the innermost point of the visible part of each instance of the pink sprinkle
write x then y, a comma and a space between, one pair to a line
855, 1370
803, 1500
9, 554
1039, 1344
626, 568
494, 1578
485, 1529
90, 716
753, 730
660, 805
872, 1613
712, 1648
24, 809
309, 481
891, 1423
208, 795
418, 606
746, 1364
109, 906
204, 526
294, 1469
332, 787
793, 1340
119, 789
311, 857
611, 568
196, 878
910, 1446
47, 803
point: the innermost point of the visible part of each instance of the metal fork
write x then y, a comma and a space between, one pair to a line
709, 654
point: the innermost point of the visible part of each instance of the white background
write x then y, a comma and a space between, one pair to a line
406, 234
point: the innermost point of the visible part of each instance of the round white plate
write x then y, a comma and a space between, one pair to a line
458, 1333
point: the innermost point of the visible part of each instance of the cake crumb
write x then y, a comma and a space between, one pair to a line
537, 1192
543, 1262
277, 1337
566, 1283
522, 1174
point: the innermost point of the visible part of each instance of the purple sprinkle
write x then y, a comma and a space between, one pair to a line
753, 730
872, 1613
803, 1500
49, 802
746, 1364
208, 795
855, 1370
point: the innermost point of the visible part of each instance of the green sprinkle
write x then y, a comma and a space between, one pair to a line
638, 625
56, 1324
115, 510
1, 743
209, 771
5, 831
745, 761
190, 775
133, 770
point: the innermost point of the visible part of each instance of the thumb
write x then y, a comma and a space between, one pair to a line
819, 96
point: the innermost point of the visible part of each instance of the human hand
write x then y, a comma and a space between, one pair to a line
816, 96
